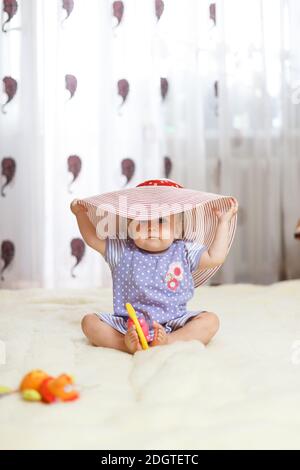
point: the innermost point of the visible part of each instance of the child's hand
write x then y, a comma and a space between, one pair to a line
227, 216
77, 208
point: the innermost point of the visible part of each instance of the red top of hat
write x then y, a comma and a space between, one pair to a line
162, 182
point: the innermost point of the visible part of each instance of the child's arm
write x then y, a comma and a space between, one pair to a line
217, 252
86, 228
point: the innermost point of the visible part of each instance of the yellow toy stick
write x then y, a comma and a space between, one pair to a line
132, 315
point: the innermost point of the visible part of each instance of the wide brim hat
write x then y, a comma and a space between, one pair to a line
163, 197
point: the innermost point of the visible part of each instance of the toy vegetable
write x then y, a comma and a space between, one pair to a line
37, 385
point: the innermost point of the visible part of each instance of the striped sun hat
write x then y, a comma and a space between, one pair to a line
162, 197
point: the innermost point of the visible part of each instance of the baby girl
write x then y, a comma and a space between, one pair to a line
152, 270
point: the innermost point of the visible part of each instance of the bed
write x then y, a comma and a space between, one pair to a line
242, 391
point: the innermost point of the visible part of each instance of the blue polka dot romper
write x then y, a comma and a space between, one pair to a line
158, 285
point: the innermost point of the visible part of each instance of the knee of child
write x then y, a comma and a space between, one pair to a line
87, 323
214, 322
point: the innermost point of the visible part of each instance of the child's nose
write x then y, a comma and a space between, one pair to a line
153, 228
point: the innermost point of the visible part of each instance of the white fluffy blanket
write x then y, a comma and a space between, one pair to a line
241, 392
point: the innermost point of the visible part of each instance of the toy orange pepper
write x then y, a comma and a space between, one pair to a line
61, 388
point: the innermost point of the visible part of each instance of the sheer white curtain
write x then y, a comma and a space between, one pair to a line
207, 100
258, 135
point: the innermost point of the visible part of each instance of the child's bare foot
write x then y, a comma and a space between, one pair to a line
131, 339
160, 336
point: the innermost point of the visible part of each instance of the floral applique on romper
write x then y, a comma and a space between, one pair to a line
158, 285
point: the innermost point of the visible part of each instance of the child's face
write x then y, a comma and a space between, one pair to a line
153, 235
